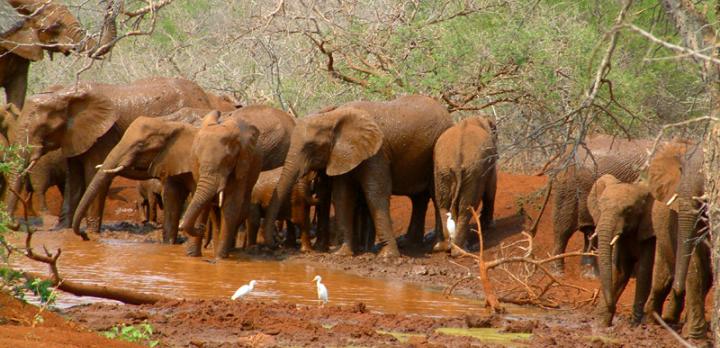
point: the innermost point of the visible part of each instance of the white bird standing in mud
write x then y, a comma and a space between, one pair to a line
321, 290
450, 226
243, 290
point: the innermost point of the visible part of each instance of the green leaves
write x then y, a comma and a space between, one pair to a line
132, 333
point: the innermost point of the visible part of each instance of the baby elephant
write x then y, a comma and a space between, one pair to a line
465, 174
623, 214
151, 198
294, 213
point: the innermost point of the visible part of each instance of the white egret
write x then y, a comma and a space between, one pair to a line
321, 290
243, 290
450, 226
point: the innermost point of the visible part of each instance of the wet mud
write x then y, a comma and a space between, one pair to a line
373, 301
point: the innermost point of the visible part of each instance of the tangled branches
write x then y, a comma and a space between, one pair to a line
530, 277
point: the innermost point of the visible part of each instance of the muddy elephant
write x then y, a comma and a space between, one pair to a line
465, 158
379, 148
150, 192
87, 120
49, 171
599, 155
295, 212
152, 147
623, 214
231, 175
682, 261
39, 26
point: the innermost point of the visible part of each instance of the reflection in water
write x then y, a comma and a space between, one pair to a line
165, 270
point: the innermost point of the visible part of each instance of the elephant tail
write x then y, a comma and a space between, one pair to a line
533, 229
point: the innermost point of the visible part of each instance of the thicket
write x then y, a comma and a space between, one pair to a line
526, 63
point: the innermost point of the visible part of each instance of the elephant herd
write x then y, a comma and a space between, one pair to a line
649, 223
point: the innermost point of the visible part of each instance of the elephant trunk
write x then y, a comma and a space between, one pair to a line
290, 173
100, 180
15, 183
687, 218
205, 191
606, 231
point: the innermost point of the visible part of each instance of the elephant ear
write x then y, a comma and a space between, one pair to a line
665, 172
596, 193
646, 229
89, 116
174, 158
23, 42
249, 135
210, 119
357, 138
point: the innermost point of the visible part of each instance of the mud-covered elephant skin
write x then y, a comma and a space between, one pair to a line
87, 120
150, 192
152, 147
375, 148
623, 214
599, 155
49, 171
682, 261
465, 176
44, 26
295, 212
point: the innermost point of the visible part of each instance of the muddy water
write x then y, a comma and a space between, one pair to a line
165, 270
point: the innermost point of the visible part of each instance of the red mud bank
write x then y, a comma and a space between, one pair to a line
20, 329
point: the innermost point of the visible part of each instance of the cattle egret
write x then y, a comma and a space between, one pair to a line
243, 290
321, 290
450, 226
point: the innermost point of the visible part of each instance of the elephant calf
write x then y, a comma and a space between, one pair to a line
623, 214
465, 175
150, 192
296, 212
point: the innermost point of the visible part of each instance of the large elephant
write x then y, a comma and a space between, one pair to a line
87, 120
41, 25
49, 171
152, 147
232, 173
682, 261
623, 214
380, 148
465, 175
599, 155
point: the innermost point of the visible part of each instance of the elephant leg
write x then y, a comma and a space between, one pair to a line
462, 228
74, 183
589, 265
252, 225
152, 208
416, 229
323, 190
643, 279
174, 195
565, 217
302, 219
290, 235
488, 202
662, 279
375, 179
16, 88
344, 197
698, 285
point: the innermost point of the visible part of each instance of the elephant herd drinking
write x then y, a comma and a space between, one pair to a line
242, 164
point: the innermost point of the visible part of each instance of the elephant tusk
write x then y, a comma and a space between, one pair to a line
98, 166
220, 200
672, 199
114, 170
615, 239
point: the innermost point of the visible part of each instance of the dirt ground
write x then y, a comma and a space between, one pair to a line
222, 323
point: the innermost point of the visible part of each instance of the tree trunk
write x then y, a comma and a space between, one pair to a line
712, 190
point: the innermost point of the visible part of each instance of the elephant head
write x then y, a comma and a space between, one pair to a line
621, 211
484, 122
335, 142
675, 178
221, 155
51, 26
150, 148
